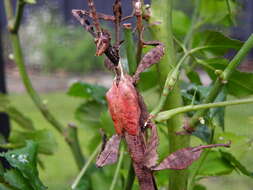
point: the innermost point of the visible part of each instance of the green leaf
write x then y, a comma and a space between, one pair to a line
180, 23
240, 144
199, 187
203, 132
30, 1
15, 179
193, 76
240, 84
216, 42
19, 118
88, 91
148, 79
217, 11
229, 157
89, 113
214, 165
24, 160
217, 115
44, 137
6, 187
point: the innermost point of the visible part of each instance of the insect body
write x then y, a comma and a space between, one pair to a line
124, 106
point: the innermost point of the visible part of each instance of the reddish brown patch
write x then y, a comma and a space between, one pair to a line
124, 107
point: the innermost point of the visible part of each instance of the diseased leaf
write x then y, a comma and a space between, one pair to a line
183, 158
24, 159
229, 157
150, 58
150, 155
88, 91
110, 153
15, 179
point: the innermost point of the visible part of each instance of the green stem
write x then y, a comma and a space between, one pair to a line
170, 113
162, 11
18, 16
19, 60
85, 167
72, 140
130, 49
223, 78
117, 172
130, 178
171, 80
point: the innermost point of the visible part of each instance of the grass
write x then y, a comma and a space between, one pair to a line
60, 168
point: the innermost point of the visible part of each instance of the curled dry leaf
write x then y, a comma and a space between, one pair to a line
150, 155
109, 154
183, 158
150, 58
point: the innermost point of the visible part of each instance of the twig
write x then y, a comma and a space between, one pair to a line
165, 115
223, 78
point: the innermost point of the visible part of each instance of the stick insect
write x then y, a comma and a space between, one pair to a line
126, 106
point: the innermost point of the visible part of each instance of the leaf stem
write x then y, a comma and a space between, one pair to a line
116, 174
170, 113
223, 78
85, 167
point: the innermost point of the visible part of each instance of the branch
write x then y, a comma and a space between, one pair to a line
172, 78
19, 60
223, 78
18, 16
165, 115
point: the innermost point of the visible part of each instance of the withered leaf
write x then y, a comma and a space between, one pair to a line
109, 154
150, 58
150, 155
183, 158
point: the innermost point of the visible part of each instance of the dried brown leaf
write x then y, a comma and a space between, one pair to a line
110, 153
183, 158
150, 155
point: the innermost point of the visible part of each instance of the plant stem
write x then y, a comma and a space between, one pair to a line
19, 60
223, 78
73, 142
85, 167
130, 178
170, 113
162, 11
129, 47
116, 174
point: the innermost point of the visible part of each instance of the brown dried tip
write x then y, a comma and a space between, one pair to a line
183, 158
109, 154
